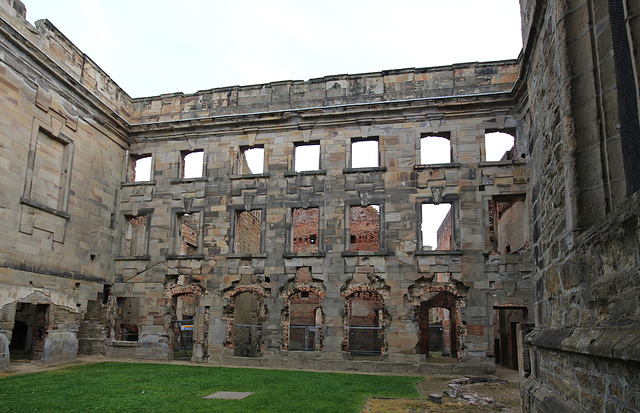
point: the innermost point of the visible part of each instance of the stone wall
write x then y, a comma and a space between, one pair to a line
584, 218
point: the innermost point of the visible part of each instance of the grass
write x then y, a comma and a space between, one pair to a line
137, 387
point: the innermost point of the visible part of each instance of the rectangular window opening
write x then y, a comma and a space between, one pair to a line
365, 153
307, 157
135, 234
435, 150
498, 146
140, 168
364, 228
437, 227
192, 164
188, 236
49, 182
508, 225
305, 230
248, 232
251, 161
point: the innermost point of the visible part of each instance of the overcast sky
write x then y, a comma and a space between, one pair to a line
151, 47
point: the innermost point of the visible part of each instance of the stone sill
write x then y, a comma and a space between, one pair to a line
133, 258
241, 256
185, 257
45, 208
303, 173
439, 252
249, 176
188, 180
616, 342
364, 170
138, 183
437, 165
365, 253
303, 254
502, 163
125, 344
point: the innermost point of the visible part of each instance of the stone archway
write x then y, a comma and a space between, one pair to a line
186, 330
438, 314
245, 316
364, 320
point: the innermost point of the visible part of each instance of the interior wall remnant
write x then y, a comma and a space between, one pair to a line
364, 228
247, 324
365, 323
188, 233
506, 320
508, 225
135, 236
305, 230
437, 226
29, 331
248, 231
127, 319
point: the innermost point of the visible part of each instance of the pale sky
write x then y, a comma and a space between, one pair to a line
150, 47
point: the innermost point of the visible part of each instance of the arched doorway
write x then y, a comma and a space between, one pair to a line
247, 324
437, 326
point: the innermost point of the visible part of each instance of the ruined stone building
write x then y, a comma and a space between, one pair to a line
286, 224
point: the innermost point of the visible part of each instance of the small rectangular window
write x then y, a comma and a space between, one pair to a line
498, 146
251, 161
192, 164
305, 230
135, 236
248, 232
188, 233
364, 228
435, 150
437, 227
307, 157
140, 168
365, 153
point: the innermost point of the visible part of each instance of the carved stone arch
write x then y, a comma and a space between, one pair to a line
425, 296
244, 314
302, 315
365, 318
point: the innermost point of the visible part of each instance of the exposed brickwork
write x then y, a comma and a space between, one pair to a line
364, 229
305, 230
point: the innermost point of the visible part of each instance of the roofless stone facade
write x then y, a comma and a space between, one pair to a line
287, 224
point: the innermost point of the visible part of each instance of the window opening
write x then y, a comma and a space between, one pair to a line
192, 164
252, 161
127, 318
366, 333
508, 223
305, 321
498, 146
365, 154
248, 231
435, 150
364, 228
188, 233
305, 230
141, 169
135, 236
307, 158
437, 227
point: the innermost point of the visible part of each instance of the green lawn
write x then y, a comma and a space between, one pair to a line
134, 387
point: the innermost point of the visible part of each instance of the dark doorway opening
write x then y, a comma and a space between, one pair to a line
505, 340
29, 331
366, 334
